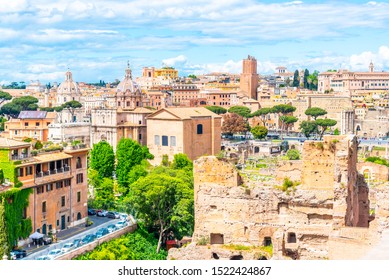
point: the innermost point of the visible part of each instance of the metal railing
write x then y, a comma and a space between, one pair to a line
52, 172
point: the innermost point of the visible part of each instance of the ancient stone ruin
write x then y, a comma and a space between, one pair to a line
321, 212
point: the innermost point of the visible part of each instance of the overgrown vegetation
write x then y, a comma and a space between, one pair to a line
378, 160
293, 154
139, 245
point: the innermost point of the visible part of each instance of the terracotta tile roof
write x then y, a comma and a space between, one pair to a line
10, 143
52, 156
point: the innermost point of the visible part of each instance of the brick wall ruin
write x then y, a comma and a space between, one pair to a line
305, 223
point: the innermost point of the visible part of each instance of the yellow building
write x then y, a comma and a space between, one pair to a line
166, 72
30, 124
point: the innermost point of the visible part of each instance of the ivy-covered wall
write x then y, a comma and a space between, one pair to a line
7, 166
14, 202
3, 232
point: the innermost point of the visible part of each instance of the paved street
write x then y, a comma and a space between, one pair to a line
68, 233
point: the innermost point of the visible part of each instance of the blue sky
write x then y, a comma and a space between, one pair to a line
40, 39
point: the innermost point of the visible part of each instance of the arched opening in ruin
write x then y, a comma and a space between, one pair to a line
262, 258
267, 241
217, 238
292, 237
256, 150
282, 206
222, 148
215, 256
236, 257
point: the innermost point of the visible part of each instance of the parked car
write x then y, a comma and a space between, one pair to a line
18, 254
77, 243
54, 253
121, 224
91, 212
43, 258
67, 247
101, 232
111, 228
113, 215
123, 216
101, 213
88, 239
47, 240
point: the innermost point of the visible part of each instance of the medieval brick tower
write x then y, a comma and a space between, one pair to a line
249, 77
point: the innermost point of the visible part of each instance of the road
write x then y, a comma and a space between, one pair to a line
72, 234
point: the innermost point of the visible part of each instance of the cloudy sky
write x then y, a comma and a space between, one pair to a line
40, 39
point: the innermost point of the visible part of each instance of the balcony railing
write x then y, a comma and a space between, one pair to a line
20, 157
52, 172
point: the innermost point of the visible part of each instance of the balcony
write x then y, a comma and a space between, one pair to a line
20, 157
52, 175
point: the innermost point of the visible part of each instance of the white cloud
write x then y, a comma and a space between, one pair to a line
173, 61
12, 6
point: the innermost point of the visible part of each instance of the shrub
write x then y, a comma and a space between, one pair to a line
293, 154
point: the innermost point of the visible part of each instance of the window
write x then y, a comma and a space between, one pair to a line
67, 182
140, 136
49, 187
26, 124
80, 178
44, 206
165, 141
291, 237
78, 196
156, 140
28, 170
172, 141
199, 129
16, 132
39, 189
62, 201
78, 163
78, 216
58, 185
37, 124
25, 213
57, 223
20, 172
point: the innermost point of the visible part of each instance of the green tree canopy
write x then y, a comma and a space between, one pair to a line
128, 154
324, 124
233, 123
25, 103
4, 96
259, 132
315, 112
217, 109
284, 109
240, 110
164, 199
71, 106
296, 79
262, 114
288, 121
102, 159
308, 127
181, 161
306, 75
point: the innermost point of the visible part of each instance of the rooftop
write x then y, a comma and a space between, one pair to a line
10, 143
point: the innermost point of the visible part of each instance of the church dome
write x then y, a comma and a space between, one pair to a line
127, 84
68, 86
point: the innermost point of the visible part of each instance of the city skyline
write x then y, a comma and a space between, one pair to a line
41, 39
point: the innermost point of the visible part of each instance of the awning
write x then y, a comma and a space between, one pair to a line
36, 235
